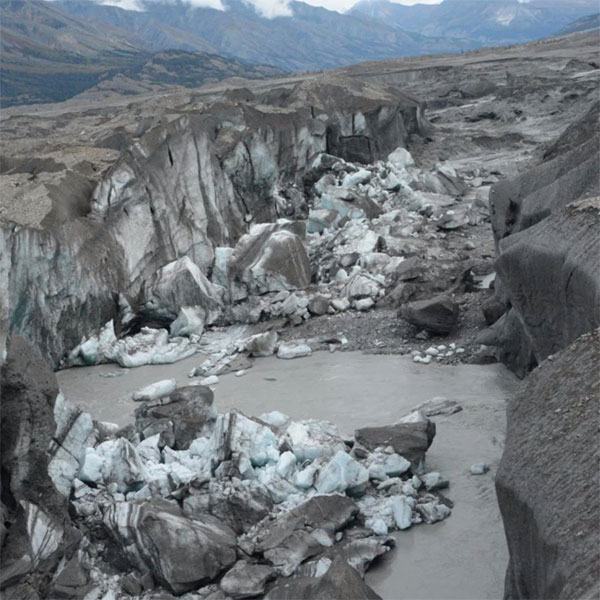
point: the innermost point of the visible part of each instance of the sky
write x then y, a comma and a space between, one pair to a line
268, 8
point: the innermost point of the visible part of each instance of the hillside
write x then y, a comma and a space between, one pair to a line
312, 39
48, 56
584, 24
169, 69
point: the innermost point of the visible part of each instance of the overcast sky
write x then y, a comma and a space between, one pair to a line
269, 8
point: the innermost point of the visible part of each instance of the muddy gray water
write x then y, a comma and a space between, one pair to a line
463, 557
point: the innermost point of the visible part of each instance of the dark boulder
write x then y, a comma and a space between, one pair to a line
410, 440
340, 581
437, 315
401, 293
239, 511
187, 412
360, 548
71, 580
493, 308
408, 269
318, 305
271, 258
321, 511
245, 580
287, 541
180, 552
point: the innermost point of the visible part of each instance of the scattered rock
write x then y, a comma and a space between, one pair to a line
437, 315
340, 581
189, 410
155, 390
439, 406
293, 350
479, 469
262, 344
318, 305
410, 440
245, 580
434, 481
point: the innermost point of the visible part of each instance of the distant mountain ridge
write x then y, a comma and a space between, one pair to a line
586, 23
49, 56
313, 39
52, 50
480, 22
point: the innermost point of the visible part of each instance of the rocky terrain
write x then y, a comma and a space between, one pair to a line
395, 207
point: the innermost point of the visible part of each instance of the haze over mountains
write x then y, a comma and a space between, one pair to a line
480, 22
54, 50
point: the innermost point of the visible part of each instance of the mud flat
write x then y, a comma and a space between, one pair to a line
461, 557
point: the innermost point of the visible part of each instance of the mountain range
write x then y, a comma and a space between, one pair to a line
479, 22
586, 23
47, 55
313, 38
52, 50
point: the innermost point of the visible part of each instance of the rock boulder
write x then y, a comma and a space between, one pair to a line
179, 284
340, 581
181, 553
271, 258
410, 440
437, 315
189, 410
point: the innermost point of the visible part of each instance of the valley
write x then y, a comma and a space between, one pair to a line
53, 50
276, 327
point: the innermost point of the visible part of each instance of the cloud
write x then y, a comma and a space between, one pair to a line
413, 2
138, 5
340, 6
124, 4
216, 4
271, 8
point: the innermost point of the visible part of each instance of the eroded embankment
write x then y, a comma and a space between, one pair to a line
547, 226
